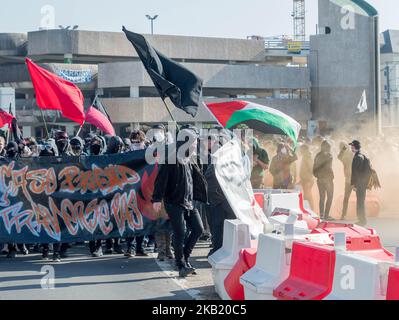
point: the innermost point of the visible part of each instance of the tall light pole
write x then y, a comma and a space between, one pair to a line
152, 22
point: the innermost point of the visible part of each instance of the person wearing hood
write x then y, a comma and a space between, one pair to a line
49, 149
62, 143
137, 142
96, 147
323, 171
346, 157
114, 146
178, 185
13, 154
77, 147
280, 167
306, 174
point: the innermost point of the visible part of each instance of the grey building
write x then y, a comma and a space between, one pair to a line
105, 63
390, 78
324, 80
344, 62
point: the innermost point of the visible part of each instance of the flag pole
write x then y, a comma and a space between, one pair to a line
45, 123
171, 115
80, 129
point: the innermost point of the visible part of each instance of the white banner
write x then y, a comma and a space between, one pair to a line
233, 172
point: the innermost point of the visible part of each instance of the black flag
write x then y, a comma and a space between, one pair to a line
170, 78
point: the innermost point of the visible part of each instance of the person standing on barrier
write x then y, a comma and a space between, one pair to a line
280, 167
361, 173
178, 185
323, 171
346, 157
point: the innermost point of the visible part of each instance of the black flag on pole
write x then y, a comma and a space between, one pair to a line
170, 78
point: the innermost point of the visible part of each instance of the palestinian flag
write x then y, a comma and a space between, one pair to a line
255, 116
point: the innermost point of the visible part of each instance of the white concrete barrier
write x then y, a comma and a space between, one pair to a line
358, 277
281, 200
236, 236
271, 268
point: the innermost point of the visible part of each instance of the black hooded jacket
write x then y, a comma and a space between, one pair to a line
170, 184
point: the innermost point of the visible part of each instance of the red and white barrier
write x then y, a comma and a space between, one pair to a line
393, 283
357, 277
236, 236
311, 273
271, 268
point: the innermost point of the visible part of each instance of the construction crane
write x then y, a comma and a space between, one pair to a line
299, 17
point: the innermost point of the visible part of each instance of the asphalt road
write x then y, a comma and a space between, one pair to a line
110, 277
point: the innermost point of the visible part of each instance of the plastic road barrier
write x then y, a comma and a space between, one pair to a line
271, 268
358, 278
246, 261
393, 284
236, 236
364, 241
311, 273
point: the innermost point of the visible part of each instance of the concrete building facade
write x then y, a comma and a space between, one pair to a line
325, 80
344, 62
105, 63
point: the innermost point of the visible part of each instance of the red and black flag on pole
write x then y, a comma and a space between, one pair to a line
170, 78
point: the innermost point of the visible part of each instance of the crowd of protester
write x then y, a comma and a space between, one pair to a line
189, 193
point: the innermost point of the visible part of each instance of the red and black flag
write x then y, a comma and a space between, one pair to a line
170, 78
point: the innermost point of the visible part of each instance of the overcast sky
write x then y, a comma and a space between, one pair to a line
216, 18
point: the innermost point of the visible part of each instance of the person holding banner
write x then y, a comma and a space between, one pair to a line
12, 154
179, 185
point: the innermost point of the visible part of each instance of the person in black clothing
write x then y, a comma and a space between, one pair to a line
114, 146
62, 143
179, 185
12, 154
322, 170
219, 208
361, 173
96, 147
49, 149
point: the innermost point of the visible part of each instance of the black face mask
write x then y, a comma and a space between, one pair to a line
95, 149
62, 146
11, 153
46, 153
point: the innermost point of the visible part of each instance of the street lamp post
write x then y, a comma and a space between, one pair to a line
152, 22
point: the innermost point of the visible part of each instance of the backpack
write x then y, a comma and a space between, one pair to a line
367, 168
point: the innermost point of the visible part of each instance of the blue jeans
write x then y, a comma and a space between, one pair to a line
182, 219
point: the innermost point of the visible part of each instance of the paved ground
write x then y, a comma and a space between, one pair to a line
115, 277
110, 277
